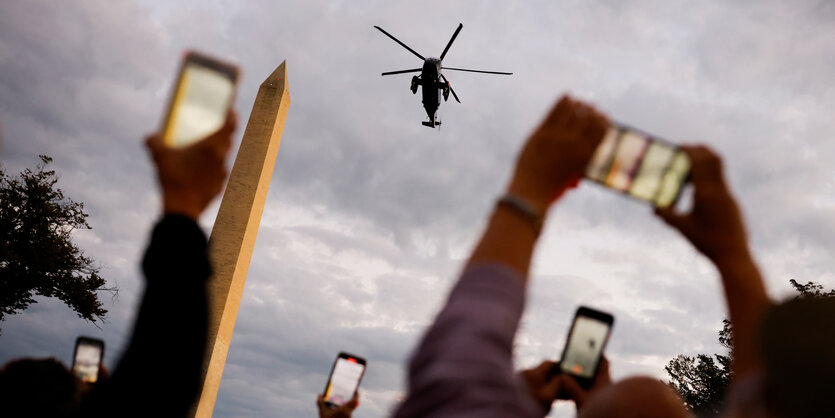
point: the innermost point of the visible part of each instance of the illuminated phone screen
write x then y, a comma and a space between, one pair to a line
344, 381
87, 361
585, 346
637, 164
199, 106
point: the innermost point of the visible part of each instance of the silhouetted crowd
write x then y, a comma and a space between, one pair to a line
783, 355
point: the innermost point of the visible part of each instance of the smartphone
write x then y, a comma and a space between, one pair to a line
87, 359
344, 380
585, 344
640, 165
200, 100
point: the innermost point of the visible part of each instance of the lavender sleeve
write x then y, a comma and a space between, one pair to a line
464, 365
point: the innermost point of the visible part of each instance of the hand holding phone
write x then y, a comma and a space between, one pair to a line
344, 380
714, 225
554, 156
200, 101
87, 359
587, 338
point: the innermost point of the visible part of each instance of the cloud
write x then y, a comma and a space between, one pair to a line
370, 215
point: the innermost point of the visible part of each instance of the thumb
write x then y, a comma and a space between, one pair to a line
154, 145
221, 140
552, 388
352, 404
576, 392
153, 142
675, 220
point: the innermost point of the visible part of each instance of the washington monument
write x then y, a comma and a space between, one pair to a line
236, 226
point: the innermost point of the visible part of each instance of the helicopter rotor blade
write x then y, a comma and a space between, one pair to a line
413, 70
401, 43
475, 71
450, 89
454, 35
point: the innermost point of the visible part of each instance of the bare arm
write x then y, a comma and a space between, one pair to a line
715, 227
551, 161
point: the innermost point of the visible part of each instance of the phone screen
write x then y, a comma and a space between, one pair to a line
639, 165
345, 379
200, 103
585, 346
87, 359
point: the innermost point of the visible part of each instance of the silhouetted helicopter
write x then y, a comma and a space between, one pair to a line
431, 81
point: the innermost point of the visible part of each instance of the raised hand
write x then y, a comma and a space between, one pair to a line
191, 176
558, 152
714, 226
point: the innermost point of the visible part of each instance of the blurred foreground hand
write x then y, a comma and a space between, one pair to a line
192, 176
344, 411
557, 153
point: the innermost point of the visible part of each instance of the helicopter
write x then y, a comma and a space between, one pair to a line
433, 84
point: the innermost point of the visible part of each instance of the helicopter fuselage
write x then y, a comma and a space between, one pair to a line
430, 83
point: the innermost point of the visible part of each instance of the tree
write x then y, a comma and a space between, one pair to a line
702, 382
37, 256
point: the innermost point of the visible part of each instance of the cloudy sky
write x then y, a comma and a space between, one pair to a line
370, 215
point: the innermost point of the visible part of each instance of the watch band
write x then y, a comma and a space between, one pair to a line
523, 207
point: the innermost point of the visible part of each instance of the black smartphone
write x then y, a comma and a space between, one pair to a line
585, 344
86, 360
640, 165
344, 380
200, 100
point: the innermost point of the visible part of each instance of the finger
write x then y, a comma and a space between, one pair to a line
706, 165
543, 368
596, 130
560, 112
153, 142
228, 127
352, 404
224, 134
577, 116
575, 391
603, 376
554, 370
603, 368
552, 388
675, 220
320, 401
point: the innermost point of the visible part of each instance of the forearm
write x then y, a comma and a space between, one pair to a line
747, 301
465, 360
165, 352
509, 239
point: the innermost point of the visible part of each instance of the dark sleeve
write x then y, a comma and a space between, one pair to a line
161, 368
463, 367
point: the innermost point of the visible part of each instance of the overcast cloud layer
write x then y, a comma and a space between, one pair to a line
370, 215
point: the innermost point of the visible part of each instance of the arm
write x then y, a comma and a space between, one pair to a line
164, 357
463, 366
552, 160
162, 363
715, 227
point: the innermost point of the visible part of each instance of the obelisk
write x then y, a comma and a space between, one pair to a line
236, 226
